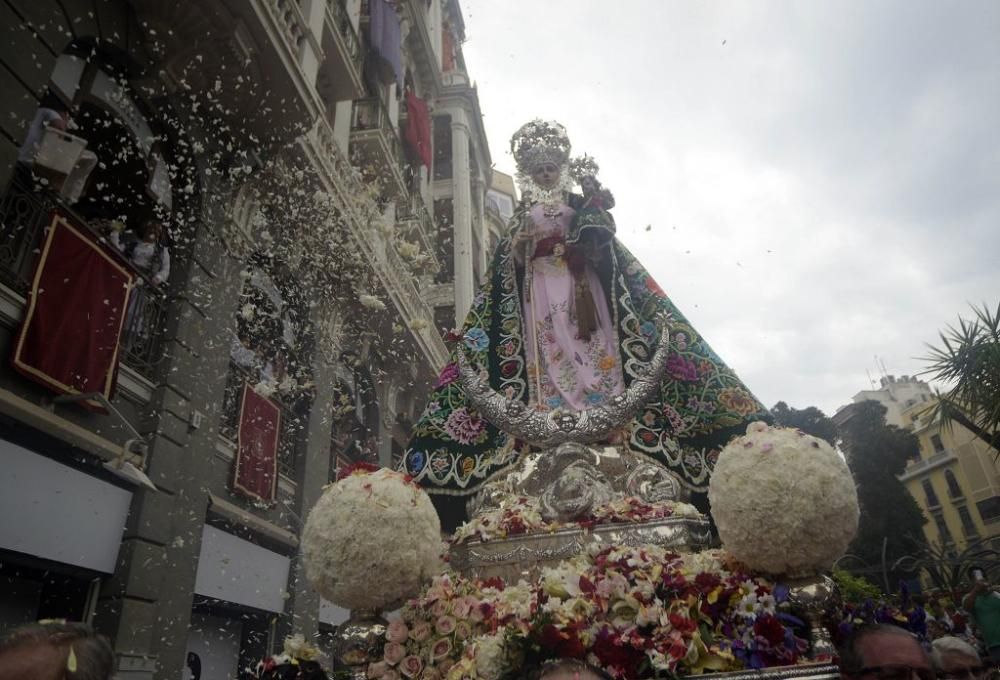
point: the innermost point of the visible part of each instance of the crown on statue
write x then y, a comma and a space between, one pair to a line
583, 166
538, 142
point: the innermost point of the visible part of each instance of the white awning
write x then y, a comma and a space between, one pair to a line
56, 512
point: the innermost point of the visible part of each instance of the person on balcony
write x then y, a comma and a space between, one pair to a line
565, 321
150, 256
147, 253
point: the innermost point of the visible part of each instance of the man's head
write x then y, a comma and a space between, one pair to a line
883, 652
570, 669
955, 659
54, 651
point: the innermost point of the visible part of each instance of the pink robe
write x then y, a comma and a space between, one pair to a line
575, 374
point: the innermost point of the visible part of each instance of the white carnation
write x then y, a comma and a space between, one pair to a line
784, 501
491, 656
371, 539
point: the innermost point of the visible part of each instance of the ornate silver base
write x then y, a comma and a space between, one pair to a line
524, 556
358, 642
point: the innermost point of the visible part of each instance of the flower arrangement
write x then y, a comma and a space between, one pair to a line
784, 501
523, 515
636, 612
372, 538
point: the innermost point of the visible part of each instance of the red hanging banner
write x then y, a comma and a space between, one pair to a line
256, 472
69, 338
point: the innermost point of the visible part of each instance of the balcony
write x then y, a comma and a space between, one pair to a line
375, 146
924, 465
415, 222
24, 215
339, 77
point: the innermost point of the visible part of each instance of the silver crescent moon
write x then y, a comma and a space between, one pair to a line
551, 428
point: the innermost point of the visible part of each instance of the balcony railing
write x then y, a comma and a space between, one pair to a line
291, 424
24, 215
338, 18
370, 120
924, 464
412, 213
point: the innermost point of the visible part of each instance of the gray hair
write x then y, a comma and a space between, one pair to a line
95, 659
851, 659
950, 644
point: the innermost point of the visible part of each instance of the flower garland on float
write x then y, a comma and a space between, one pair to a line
636, 612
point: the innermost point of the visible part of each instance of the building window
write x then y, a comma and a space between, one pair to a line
954, 490
968, 526
989, 509
932, 499
942, 528
937, 443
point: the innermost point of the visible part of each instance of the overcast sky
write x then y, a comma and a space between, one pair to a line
813, 183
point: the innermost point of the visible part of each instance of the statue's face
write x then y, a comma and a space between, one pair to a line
546, 175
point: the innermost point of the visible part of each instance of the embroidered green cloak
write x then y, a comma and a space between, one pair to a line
698, 409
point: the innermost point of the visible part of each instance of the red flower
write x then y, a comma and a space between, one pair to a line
611, 652
356, 469
770, 628
706, 582
565, 643
494, 582
683, 623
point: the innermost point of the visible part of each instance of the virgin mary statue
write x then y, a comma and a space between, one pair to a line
566, 319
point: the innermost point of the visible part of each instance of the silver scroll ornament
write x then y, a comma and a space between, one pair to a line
550, 428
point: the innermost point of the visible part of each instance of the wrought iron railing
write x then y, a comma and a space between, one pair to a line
342, 22
25, 213
292, 425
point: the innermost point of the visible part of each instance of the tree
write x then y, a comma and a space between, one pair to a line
810, 420
969, 361
876, 454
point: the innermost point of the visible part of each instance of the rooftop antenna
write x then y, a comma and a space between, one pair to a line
885, 373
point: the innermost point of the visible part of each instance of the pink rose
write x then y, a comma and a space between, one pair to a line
463, 607
421, 631
440, 649
397, 631
411, 666
439, 608
377, 669
463, 630
394, 653
445, 625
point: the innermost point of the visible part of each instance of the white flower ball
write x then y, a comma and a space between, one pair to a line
784, 501
371, 539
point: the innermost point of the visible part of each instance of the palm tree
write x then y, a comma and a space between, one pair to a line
969, 361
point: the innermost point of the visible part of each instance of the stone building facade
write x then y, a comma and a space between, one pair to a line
314, 259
